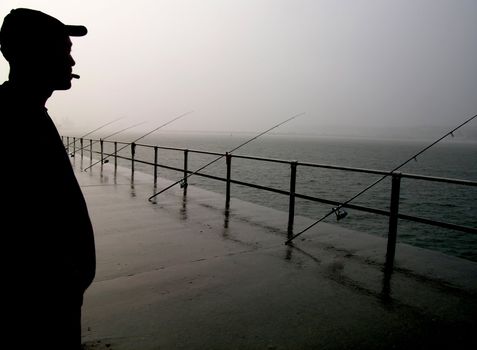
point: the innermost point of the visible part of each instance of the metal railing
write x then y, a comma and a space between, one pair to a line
392, 213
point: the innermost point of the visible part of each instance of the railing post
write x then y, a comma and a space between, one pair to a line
228, 160
81, 147
133, 153
68, 144
393, 221
115, 155
74, 146
90, 149
102, 150
155, 164
291, 206
184, 183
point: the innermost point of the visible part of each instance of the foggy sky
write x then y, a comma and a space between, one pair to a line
357, 67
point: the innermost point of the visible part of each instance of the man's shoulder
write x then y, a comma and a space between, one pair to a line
15, 115
3, 89
5, 95
6, 104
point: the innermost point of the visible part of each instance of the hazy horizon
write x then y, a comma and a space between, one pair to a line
363, 68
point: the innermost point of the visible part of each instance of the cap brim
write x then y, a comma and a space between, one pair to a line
76, 30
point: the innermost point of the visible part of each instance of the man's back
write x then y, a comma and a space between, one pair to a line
42, 187
48, 244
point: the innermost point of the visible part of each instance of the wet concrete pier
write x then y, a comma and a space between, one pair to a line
184, 273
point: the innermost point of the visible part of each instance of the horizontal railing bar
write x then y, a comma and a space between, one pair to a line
406, 217
260, 187
170, 148
337, 167
236, 182
112, 142
431, 222
272, 160
204, 152
350, 206
404, 175
167, 167
315, 165
198, 151
440, 179
400, 216
213, 177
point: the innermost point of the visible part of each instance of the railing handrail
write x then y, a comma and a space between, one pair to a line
318, 199
305, 164
393, 212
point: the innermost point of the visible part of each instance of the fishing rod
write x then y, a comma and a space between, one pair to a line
143, 136
106, 137
341, 214
220, 157
98, 128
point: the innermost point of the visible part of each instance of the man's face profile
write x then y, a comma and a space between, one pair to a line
52, 65
38, 48
47, 64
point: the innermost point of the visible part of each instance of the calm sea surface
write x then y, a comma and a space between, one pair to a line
456, 204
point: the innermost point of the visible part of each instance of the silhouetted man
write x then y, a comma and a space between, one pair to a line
47, 244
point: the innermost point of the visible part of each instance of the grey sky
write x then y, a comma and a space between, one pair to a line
354, 67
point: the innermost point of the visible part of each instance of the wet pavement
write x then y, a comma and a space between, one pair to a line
184, 273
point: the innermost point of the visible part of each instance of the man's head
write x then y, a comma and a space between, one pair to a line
37, 47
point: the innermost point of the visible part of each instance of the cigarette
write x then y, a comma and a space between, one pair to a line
75, 76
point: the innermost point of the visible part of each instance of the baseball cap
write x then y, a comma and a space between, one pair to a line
23, 27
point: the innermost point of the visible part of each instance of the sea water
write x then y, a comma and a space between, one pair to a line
432, 200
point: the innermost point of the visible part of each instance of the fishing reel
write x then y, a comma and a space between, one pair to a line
340, 213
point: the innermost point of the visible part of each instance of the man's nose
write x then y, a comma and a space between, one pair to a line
72, 61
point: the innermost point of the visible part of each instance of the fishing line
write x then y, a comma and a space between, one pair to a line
104, 138
143, 136
220, 157
341, 214
98, 128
